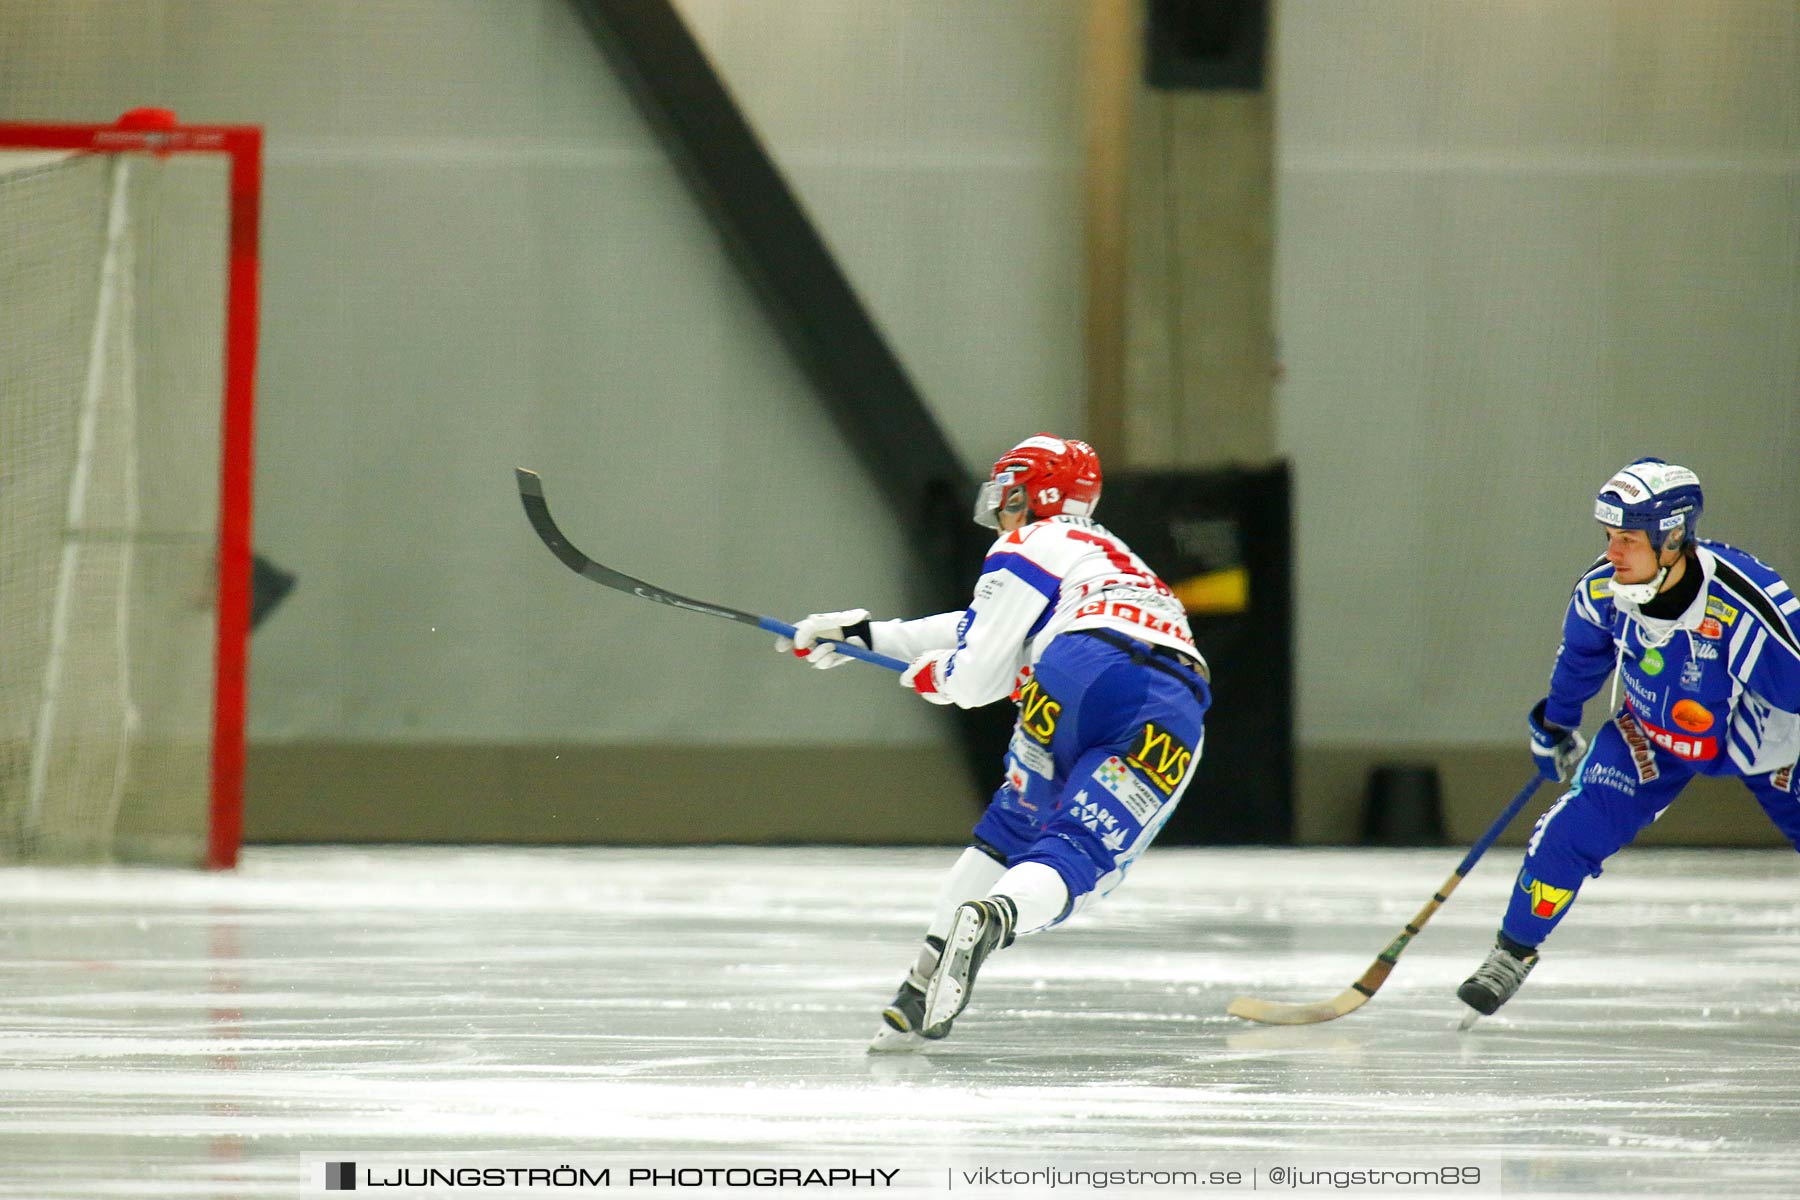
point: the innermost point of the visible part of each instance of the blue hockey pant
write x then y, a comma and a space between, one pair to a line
1624, 783
1105, 744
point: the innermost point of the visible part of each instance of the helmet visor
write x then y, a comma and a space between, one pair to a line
995, 494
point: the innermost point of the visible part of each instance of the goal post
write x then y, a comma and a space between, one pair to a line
128, 276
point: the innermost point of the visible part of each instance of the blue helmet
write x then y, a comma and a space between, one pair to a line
1657, 497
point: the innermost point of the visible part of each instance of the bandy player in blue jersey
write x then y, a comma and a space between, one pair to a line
1096, 653
1701, 639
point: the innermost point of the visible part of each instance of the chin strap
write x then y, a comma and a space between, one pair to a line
1639, 594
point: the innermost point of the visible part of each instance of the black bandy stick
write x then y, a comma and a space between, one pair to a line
537, 511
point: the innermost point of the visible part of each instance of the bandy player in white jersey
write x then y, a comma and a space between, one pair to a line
1096, 653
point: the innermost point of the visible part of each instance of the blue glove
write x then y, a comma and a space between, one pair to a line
1555, 750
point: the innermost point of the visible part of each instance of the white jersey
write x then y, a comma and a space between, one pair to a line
1052, 577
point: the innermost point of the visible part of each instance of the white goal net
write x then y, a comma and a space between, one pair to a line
121, 654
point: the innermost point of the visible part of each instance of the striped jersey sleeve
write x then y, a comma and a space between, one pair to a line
1013, 599
1763, 650
909, 639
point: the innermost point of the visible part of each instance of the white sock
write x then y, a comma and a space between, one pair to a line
1037, 891
970, 879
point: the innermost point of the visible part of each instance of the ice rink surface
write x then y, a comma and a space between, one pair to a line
178, 1034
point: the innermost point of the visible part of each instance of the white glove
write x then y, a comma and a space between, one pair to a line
926, 676
809, 632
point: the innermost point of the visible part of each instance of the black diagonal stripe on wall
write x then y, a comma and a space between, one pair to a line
768, 234
856, 375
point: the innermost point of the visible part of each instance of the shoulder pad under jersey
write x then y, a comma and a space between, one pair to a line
1741, 582
1596, 581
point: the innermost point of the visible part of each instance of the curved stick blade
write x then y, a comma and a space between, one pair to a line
537, 511
1274, 1012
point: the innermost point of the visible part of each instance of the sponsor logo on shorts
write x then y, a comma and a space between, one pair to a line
1098, 817
1710, 628
1716, 607
1161, 757
1038, 712
1546, 901
1642, 756
1608, 776
1031, 756
1136, 795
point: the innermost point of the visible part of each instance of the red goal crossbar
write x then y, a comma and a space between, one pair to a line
156, 131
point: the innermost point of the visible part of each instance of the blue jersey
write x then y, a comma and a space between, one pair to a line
1718, 686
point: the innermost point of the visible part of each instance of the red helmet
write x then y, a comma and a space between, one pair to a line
1055, 477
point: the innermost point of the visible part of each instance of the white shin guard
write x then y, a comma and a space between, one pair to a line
1037, 891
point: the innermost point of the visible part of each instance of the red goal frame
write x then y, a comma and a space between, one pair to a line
156, 131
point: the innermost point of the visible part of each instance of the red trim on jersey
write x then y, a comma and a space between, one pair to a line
1120, 560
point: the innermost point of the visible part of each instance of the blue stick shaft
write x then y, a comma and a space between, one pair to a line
1499, 825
